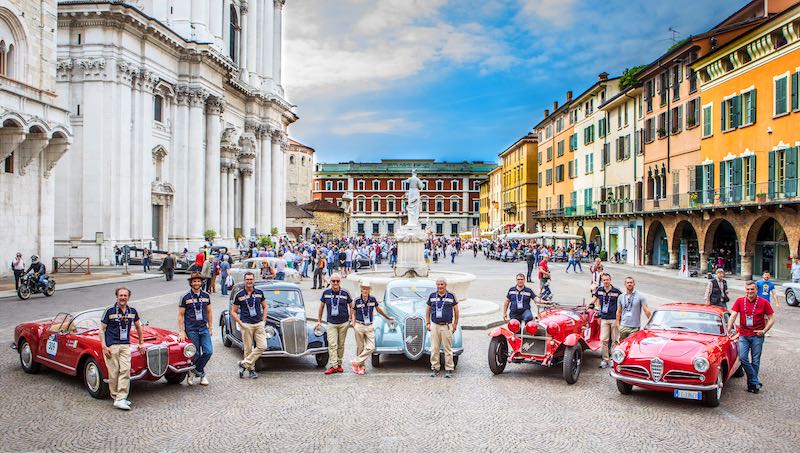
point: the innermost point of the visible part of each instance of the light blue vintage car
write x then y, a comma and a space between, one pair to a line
406, 301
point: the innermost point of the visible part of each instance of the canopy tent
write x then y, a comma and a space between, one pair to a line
466, 235
517, 236
563, 236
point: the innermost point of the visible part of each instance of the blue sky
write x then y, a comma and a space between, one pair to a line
459, 79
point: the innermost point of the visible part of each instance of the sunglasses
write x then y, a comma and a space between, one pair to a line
335, 280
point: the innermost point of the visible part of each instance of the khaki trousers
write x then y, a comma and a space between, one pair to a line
119, 371
365, 342
608, 330
337, 334
253, 333
442, 335
625, 332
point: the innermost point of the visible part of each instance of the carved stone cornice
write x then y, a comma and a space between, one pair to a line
182, 94
198, 96
230, 138
147, 79
126, 71
92, 67
215, 105
64, 67
279, 3
245, 170
251, 126
243, 7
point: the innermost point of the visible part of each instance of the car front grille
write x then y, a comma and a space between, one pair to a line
158, 360
656, 368
533, 345
294, 335
674, 375
636, 370
415, 335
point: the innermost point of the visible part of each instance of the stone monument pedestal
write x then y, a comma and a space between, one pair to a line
410, 251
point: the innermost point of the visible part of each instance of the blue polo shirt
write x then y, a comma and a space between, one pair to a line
118, 324
194, 318
765, 289
519, 300
250, 302
337, 304
442, 305
608, 301
364, 309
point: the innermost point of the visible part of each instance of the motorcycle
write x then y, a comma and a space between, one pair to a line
29, 284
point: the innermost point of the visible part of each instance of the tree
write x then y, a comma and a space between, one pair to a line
265, 241
274, 231
210, 234
629, 77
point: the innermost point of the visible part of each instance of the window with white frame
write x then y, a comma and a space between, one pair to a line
316, 185
781, 94
339, 185
360, 184
748, 107
376, 184
729, 109
439, 204
390, 204
361, 205
424, 203
454, 185
328, 185
390, 184
376, 204
439, 185
455, 205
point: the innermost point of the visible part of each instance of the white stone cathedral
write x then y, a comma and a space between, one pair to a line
179, 123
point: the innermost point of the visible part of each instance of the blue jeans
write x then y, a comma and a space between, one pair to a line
146, 264
222, 277
202, 341
279, 275
750, 356
523, 317
575, 265
305, 268
452, 257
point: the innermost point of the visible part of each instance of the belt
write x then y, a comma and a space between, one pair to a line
362, 322
441, 323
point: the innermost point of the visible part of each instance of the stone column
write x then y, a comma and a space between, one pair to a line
266, 60
246, 164
703, 258
196, 185
278, 180
223, 202
216, 19
231, 200
266, 177
214, 108
243, 30
277, 45
747, 266
252, 41
673, 259
179, 162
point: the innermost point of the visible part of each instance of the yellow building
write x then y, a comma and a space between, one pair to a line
483, 206
520, 184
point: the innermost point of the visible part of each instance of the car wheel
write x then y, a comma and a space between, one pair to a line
50, 290
322, 359
376, 360
739, 372
573, 356
24, 292
26, 358
93, 379
711, 397
225, 334
624, 387
174, 378
498, 354
791, 298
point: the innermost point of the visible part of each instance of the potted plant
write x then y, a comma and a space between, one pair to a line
761, 196
210, 234
693, 198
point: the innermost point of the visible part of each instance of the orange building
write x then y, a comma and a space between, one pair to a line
554, 156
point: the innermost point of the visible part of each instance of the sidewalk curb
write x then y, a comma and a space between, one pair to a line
76, 285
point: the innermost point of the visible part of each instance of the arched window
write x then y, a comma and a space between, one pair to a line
3, 58
303, 161
233, 45
158, 108
291, 160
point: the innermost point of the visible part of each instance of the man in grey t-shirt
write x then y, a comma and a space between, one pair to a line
629, 310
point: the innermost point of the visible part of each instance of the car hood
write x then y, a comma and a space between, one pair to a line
667, 343
278, 313
407, 309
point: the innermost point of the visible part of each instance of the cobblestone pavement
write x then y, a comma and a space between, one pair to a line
294, 407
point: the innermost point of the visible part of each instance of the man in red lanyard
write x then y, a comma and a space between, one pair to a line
756, 318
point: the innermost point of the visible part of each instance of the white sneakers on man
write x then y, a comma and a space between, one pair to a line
203, 380
122, 404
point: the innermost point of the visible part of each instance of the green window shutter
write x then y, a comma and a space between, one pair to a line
771, 183
753, 106
722, 113
737, 111
795, 88
752, 177
790, 181
698, 180
737, 179
723, 192
710, 188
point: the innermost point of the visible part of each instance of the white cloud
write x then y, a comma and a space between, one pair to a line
370, 123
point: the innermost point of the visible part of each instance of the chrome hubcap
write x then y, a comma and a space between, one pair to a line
719, 384
26, 355
92, 375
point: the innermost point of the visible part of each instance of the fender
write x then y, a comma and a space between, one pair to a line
573, 339
498, 331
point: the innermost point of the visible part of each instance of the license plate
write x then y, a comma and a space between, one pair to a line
688, 394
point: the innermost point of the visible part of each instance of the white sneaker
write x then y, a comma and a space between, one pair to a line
190, 377
122, 404
127, 402
203, 380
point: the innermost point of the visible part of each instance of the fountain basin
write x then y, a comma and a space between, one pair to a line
457, 282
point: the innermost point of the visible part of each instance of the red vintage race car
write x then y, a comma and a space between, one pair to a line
70, 344
684, 349
557, 336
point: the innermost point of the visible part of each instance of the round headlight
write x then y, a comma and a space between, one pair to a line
189, 351
618, 355
701, 364
513, 326
392, 325
269, 331
532, 327
319, 331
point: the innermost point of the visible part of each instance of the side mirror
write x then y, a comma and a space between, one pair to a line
147, 323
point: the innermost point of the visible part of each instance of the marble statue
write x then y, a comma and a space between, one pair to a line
412, 205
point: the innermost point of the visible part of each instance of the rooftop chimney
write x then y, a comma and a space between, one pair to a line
569, 96
546, 113
603, 76
555, 105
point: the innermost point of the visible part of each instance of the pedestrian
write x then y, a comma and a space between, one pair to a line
337, 303
224, 267
607, 297
195, 323
441, 319
373, 256
168, 266
205, 272
146, 257
115, 340
597, 263
766, 289
451, 250
199, 260
361, 318
518, 302
249, 311
629, 312
530, 259
280, 267
267, 271
717, 290
756, 317
117, 255
348, 260
796, 271
319, 269
18, 266
575, 261
306, 263
212, 284
544, 272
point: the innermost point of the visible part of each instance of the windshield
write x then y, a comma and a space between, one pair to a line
86, 321
59, 320
687, 320
408, 293
282, 297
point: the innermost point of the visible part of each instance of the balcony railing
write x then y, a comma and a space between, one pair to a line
510, 206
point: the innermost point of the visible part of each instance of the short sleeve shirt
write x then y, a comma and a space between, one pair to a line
752, 315
632, 309
765, 289
194, 318
118, 324
364, 309
543, 267
250, 310
442, 307
336, 304
608, 301
519, 299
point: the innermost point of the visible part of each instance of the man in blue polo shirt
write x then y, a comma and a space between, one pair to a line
606, 297
249, 312
441, 318
194, 323
766, 289
337, 301
115, 338
518, 302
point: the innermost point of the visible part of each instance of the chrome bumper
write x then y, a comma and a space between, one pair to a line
670, 385
310, 351
456, 351
144, 372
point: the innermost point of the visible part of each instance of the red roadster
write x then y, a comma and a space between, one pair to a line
70, 344
684, 349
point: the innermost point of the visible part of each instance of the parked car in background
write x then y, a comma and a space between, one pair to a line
253, 265
361, 261
406, 301
71, 345
288, 332
792, 291
684, 349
